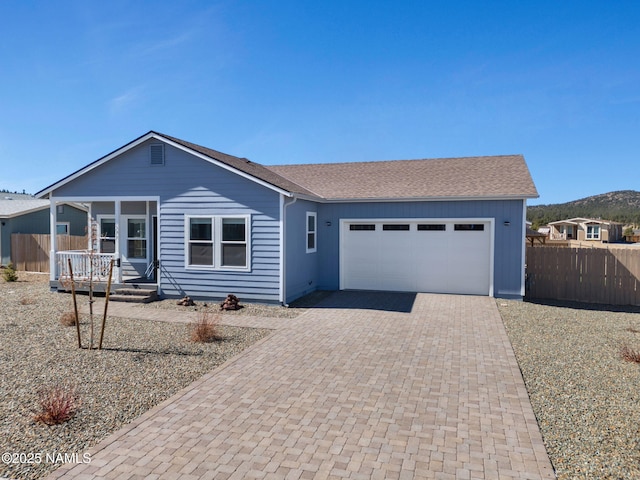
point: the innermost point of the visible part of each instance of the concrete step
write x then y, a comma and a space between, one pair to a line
134, 295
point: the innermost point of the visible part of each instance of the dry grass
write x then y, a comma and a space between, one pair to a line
9, 273
206, 327
630, 354
58, 403
68, 319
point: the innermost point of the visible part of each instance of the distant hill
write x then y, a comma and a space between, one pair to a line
621, 206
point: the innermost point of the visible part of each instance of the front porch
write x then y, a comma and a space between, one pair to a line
93, 272
122, 242
89, 267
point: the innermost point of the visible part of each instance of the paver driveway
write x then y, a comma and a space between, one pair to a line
366, 385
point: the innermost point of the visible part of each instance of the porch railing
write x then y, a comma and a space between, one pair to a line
84, 263
558, 236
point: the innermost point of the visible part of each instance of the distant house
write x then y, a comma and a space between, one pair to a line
586, 229
203, 223
634, 238
25, 214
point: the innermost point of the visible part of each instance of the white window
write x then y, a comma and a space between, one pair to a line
593, 232
137, 238
233, 243
107, 234
312, 226
217, 242
200, 241
62, 228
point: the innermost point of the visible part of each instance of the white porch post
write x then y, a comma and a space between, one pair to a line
90, 230
53, 218
116, 253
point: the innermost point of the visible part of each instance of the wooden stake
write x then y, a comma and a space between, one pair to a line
75, 303
106, 304
91, 260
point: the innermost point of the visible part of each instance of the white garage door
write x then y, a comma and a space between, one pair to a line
452, 256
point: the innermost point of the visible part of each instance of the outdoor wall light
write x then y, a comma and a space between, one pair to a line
327, 223
507, 223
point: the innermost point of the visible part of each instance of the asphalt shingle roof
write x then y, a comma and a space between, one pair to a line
493, 176
11, 208
244, 165
488, 176
504, 176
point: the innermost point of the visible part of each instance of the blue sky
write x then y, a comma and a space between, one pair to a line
298, 82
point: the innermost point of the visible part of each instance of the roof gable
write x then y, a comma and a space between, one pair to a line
241, 166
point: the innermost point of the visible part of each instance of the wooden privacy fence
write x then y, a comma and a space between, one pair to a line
593, 275
30, 252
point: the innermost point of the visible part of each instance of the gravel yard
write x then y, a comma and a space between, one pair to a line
141, 364
585, 396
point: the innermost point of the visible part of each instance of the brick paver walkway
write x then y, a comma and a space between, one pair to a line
365, 386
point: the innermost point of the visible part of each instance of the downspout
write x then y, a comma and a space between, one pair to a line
283, 241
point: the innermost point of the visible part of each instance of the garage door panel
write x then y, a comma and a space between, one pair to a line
418, 255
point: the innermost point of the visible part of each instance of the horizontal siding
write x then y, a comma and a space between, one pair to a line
301, 267
187, 185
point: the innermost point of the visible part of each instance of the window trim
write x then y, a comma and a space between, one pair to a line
125, 247
216, 241
595, 232
67, 226
313, 232
220, 220
99, 219
188, 241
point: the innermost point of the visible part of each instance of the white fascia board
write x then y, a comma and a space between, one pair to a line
420, 199
83, 198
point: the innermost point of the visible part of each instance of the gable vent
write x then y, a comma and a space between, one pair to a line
157, 154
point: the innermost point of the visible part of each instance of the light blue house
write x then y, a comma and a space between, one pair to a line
202, 223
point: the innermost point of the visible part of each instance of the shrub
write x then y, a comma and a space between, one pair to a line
9, 273
68, 319
58, 403
206, 327
630, 354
